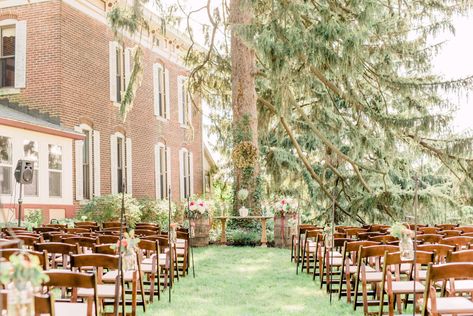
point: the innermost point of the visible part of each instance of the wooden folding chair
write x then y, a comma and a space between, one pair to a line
59, 252
105, 292
369, 256
41, 255
446, 226
429, 230
332, 260
383, 239
296, 241
43, 303
429, 238
349, 267
450, 233
393, 286
460, 242
150, 265
85, 243
74, 281
452, 305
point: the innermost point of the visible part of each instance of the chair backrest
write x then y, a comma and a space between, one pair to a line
85, 223
182, 235
446, 226
355, 245
379, 228
111, 225
105, 249
108, 239
376, 251
367, 235
74, 280
57, 247
352, 232
444, 272
29, 241
460, 256
458, 241
10, 243
94, 260
59, 237
77, 230
41, 255
465, 229
429, 238
46, 229
429, 230
43, 303
86, 242
450, 233
441, 251
385, 239
422, 257
60, 226
144, 232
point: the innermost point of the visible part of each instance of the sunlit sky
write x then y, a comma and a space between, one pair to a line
454, 61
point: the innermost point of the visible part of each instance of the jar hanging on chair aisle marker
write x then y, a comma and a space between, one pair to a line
406, 245
20, 299
328, 237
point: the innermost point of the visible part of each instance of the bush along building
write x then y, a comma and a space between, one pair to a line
62, 75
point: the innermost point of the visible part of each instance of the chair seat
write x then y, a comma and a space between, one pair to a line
422, 275
336, 261
461, 286
453, 305
405, 287
111, 276
103, 291
405, 267
353, 269
374, 277
71, 309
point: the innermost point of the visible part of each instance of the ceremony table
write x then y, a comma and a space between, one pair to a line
263, 219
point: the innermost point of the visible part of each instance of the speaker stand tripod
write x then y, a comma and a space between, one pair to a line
20, 204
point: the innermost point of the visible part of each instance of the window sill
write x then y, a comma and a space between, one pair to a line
9, 91
84, 202
162, 119
116, 104
184, 126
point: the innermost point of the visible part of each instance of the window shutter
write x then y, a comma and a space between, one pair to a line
168, 153
156, 88
127, 66
191, 173
79, 159
181, 174
20, 55
129, 163
113, 70
157, 170
168, 94
96, 166
179, 99
189, 107
113, 164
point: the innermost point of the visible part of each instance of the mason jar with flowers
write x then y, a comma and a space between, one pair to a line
198, 212
285, 221
128, 247
406, 245
23, 276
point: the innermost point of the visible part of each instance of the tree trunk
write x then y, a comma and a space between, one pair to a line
245, 115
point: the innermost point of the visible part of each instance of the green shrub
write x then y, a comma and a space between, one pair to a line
33, 219
107, 208
240, 237
156, 212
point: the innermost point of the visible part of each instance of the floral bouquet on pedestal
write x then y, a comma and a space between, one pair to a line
198, 208
285, 206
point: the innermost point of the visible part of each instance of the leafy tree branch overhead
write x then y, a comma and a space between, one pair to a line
347, 102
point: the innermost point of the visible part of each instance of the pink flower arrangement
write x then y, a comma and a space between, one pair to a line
198, 207
286, 206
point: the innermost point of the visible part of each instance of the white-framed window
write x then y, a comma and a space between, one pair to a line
87, 163
31, 152
184, 108
87, 172
6, 167
121, 163
55, 170
120, 70
163, 170
161, 91
186, 173
12, 54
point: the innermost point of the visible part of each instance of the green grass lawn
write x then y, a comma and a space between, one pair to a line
247, 281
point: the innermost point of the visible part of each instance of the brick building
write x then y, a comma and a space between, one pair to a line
62, 75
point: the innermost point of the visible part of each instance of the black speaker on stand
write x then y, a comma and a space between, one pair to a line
24, 172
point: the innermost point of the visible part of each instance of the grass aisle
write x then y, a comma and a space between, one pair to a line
247, 281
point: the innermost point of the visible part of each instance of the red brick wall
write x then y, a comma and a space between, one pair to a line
68, 75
